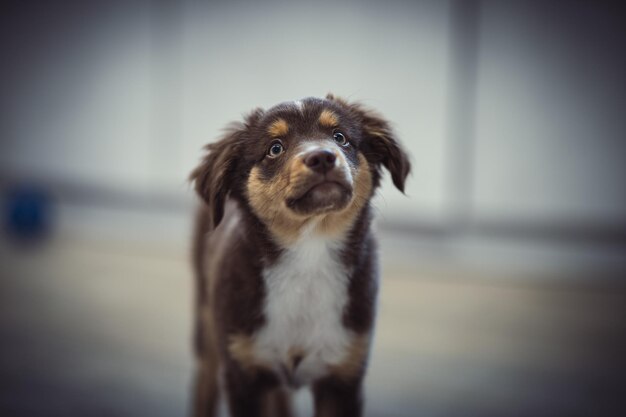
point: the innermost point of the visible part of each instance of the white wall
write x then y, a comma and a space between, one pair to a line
550, 123
80, 83
106, 109
125, 94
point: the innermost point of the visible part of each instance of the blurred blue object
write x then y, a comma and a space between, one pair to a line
27, 214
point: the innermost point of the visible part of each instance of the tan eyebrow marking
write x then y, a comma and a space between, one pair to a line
328, 118
279, 127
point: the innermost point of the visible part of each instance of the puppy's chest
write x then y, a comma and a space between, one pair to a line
306, 294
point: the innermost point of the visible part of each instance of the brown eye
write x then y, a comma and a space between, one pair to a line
275, 150
340, 139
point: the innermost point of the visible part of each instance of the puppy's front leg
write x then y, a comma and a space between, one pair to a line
247, 390
337, 397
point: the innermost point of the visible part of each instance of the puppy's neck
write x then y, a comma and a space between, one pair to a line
324, 228
312, 250
339, 234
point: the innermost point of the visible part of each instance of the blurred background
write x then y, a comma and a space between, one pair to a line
504, 290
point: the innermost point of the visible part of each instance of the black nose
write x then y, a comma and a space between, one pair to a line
320, 161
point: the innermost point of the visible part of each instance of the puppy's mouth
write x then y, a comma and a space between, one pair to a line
324, 195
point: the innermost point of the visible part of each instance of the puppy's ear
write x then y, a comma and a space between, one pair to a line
380, 144
383, 147
214, 177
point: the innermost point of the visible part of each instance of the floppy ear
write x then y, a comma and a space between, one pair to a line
214, 177
380, 144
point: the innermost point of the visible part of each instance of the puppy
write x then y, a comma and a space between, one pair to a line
285, 261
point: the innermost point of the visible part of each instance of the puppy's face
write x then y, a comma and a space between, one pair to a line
315, 159
306, 162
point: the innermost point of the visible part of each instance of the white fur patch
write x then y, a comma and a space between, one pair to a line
305, 300
299, 105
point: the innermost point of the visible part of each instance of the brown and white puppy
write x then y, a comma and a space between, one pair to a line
285, 261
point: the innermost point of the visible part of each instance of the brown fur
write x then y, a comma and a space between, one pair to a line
241, 349
355, 359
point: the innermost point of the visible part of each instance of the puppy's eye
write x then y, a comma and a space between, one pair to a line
275, 149
340, 139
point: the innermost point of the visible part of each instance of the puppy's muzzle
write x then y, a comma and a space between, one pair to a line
327, 186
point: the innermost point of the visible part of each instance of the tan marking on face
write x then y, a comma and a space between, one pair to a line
337, 223
268, 201
241, 348
328, 118
278, 128
355, 358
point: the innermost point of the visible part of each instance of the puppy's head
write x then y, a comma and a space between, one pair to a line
315, 161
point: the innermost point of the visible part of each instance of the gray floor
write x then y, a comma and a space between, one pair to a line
102, 329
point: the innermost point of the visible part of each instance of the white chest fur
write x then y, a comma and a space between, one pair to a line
305, 299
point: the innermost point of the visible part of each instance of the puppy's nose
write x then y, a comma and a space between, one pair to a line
320, 161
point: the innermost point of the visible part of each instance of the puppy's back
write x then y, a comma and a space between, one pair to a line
209, 246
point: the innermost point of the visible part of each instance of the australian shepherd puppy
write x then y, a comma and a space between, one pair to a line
285, 262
